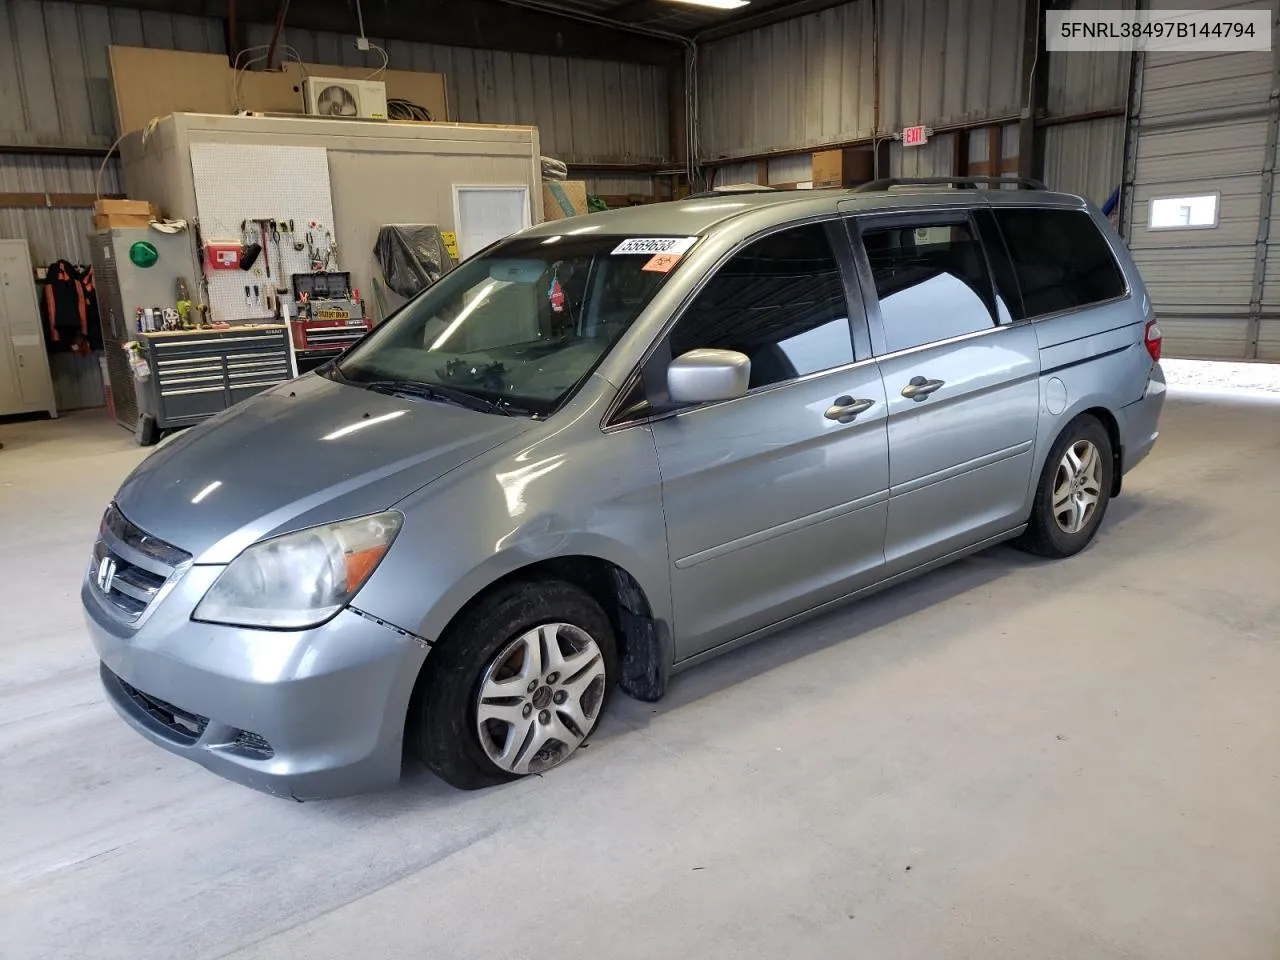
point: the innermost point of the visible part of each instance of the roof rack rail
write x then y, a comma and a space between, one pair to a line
731, 189
1023, 183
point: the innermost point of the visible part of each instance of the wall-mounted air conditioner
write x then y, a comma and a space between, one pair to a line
333, 97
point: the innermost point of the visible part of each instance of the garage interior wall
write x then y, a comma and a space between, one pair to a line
952, 65
1208, 124
809, 82
768, 97
57, 93
1086, 156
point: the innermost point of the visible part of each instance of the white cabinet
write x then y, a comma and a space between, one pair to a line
25, 384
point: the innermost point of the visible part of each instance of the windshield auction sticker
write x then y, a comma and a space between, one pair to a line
654, 245
661, 263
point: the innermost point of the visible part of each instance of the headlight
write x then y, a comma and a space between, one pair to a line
300, 579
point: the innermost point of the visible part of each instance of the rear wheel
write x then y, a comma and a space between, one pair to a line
1074, 490
516, 686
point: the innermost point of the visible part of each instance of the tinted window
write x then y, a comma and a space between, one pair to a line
932, 281
780, 301
1061, 259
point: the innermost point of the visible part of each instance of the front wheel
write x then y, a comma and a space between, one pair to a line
1074, 490
516, 686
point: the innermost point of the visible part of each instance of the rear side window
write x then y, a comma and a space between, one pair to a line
932, 282
1061, 259
780, 301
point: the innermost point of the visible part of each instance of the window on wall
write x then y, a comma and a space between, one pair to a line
1061, 259
932, 282
1192, 212
780, 301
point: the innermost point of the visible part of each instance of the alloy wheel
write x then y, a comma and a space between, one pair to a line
1077, 487
540, 697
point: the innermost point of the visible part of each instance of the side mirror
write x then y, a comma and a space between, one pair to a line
704, 376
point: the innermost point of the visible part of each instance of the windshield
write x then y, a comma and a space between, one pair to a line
519, 326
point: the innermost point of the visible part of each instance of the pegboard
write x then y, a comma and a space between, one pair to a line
236, 182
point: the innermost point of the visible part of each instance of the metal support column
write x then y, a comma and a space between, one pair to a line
1132, 129
1035, 90
1265, 201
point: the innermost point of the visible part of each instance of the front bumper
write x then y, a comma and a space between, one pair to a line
301, 714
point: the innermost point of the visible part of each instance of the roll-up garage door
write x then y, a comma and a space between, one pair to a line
1202, 151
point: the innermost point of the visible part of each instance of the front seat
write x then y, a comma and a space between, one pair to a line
770, 364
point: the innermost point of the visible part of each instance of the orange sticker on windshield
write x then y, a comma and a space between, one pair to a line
662, 262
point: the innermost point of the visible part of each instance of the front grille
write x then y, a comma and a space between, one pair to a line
130, 566
185, 727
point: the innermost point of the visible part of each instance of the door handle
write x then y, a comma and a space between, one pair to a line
845, 409
919, 388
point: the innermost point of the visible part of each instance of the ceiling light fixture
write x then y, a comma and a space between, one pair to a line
716, 4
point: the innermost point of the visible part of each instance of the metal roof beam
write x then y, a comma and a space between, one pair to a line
483, 24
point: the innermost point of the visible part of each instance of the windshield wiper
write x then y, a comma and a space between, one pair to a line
431, 391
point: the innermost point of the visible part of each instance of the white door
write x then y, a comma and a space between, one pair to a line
25, 384
10, 394
486, 214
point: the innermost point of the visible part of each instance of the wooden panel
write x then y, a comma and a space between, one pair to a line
193, 83
52, 200
202, 83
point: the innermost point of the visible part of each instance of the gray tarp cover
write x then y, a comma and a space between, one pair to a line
412, 256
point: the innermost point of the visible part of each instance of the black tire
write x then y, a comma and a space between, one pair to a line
442, 722
1044, 537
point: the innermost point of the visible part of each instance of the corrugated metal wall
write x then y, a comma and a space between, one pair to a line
808, 82
55, 90
1095, 80
52, 232
55, 84
797, 168
1087, 157
934, 159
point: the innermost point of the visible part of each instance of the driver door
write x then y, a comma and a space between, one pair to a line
774, 503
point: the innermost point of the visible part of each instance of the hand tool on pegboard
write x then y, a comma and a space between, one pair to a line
249, 249
263, 223
275, 241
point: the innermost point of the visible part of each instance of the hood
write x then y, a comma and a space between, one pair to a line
309, 451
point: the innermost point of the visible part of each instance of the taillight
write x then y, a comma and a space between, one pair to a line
1153, 339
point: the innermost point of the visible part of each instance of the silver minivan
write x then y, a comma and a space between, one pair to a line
606, 449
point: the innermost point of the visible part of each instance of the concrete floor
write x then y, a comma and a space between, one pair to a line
1008, 758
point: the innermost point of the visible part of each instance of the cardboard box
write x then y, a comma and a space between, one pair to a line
123, 213
842, 168
563, 198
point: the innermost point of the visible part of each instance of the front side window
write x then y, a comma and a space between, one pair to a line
781, 301
932, 282
517, 328
1061, 259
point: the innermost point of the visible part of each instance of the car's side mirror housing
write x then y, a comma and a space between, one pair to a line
706, 376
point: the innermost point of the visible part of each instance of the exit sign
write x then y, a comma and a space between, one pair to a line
914, 136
